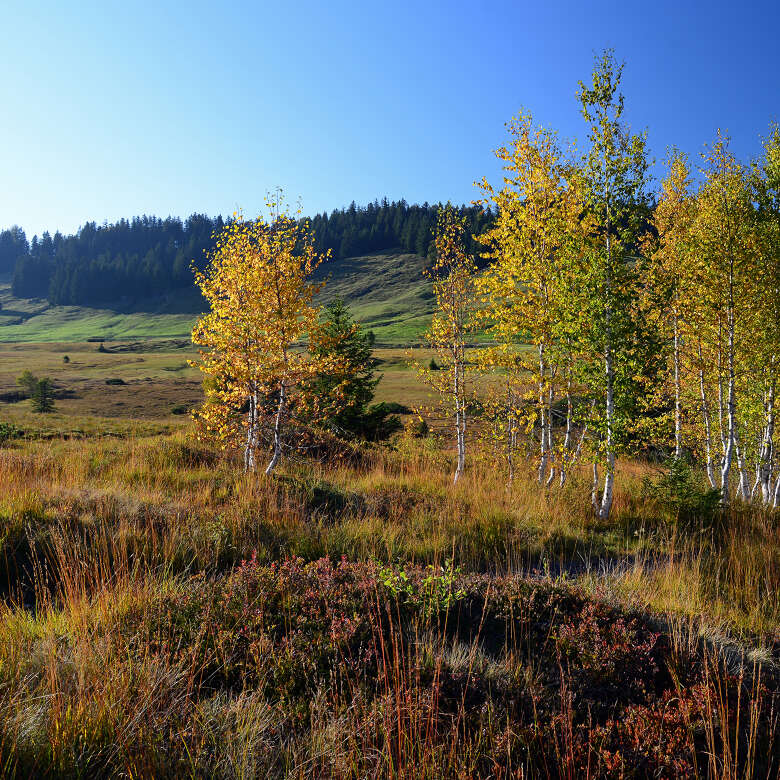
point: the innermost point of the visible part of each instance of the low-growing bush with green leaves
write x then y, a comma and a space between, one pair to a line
8, 431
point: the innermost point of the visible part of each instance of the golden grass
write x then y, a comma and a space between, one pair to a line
180, 497
157, 379
96, 529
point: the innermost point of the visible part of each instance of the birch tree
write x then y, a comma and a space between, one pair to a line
452, 275
528, 292
766, 183
723, 237
614, 169
671, 270
260, 297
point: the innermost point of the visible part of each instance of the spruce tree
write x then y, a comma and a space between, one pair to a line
43, 397
344, 390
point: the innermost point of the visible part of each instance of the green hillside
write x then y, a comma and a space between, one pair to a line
385, 291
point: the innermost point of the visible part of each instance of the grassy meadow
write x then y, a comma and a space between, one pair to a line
35, 319
164, 615
149, 384
387, 293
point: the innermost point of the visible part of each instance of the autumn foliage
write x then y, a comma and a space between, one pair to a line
260, 297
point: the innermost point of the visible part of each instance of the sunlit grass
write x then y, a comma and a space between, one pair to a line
127, 644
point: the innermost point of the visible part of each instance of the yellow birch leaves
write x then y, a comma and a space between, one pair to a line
260, 297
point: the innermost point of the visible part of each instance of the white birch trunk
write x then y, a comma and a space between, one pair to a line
277, 454
731, 411
743, 488
767, 455
460, 419
609, 482
720, 399
609, 477
511, 435
677, 404
542, 421
510, 448
776, 496
550, 448
250, 446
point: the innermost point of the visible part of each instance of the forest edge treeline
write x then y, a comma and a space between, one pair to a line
147, 256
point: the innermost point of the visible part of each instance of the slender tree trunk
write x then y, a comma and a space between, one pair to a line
776, 497
743, 489
705, 412
542, 420
251, 433
460, 419
609, 370
765, 461
280, 410
550, 448
511, 435
720, 398
756, 484
609, 485
728, 454
677, 403
510, 450
609, 474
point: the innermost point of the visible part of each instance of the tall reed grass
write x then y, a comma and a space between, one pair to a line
165, 616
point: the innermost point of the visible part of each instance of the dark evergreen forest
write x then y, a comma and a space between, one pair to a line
147, 256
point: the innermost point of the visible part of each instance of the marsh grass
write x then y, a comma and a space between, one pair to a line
165, 615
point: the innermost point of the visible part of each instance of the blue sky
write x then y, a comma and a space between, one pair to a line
112, 109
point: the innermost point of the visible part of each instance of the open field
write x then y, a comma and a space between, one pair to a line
31, 320
164, 615
148, 380
385, 291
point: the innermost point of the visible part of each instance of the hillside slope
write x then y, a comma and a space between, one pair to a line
386, 291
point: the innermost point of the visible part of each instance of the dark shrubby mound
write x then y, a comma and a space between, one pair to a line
363, 669
8, 432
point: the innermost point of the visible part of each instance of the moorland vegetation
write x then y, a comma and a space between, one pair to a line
566, 564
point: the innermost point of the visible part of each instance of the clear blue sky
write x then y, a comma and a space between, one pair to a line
113, 109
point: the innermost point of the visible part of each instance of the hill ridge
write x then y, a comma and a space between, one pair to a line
384, 290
